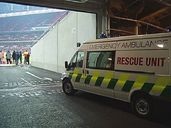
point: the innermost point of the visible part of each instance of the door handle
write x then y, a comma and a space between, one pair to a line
87, 71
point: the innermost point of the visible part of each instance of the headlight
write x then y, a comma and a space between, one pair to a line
64, 75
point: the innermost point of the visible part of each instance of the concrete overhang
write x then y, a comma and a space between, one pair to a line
77, 5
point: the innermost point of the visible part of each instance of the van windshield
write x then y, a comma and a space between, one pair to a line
76, 61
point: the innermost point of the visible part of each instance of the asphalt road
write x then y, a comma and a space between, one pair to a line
33, 98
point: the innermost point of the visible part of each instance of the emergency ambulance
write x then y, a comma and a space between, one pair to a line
134, 69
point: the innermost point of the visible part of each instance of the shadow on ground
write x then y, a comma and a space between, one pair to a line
161, 112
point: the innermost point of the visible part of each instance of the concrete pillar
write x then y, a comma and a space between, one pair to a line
102, 22
137, 29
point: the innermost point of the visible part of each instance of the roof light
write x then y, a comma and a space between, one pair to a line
160, 45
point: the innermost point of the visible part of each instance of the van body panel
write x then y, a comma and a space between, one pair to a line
117, 67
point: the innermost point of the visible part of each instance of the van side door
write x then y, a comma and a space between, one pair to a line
99, 72
75, 69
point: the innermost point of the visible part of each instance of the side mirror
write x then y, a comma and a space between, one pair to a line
66, 64
78, 44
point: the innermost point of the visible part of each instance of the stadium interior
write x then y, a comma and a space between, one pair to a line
26, 25
22, 26
124, 17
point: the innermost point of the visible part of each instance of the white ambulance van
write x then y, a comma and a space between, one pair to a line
133, 69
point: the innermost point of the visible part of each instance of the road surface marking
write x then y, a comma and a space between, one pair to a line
31, 94
10, 94
49, 93
26, 81
21, 95
37, 94
46, 78
3, 95
34, 75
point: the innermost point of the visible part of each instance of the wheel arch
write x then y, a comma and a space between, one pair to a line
66, 79
136, 93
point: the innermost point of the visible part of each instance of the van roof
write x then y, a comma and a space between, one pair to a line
133, 37
136, 42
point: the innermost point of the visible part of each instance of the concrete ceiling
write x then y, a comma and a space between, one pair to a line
151, 16
88, 5
124, 16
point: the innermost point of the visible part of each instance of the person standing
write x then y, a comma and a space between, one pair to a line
28, 58
8, 57
16, 57
13, 56
103, 35
20, 57
25, 57
0, 57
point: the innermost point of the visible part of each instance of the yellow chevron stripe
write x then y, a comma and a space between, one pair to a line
83, 76
75, 73
140, 80
82, 80
121, 81
107, 78
160, 85
94, 77
74, 76
157, 90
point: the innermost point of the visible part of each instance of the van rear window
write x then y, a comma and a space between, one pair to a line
100, 60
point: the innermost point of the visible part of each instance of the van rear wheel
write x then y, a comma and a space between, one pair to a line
68, 88
142, 106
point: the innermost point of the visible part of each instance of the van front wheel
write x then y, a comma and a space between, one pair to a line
68, 88
142, 106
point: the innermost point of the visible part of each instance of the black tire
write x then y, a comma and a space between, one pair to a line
68, 88
142, 105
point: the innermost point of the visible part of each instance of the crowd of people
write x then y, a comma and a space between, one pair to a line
14, 57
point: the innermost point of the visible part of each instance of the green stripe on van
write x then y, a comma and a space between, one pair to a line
112, 83
167, 91
70, 75
128, 85
78, 78
99, 81
147, 87
87, 80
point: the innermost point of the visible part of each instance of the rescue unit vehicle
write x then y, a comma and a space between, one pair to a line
133, 69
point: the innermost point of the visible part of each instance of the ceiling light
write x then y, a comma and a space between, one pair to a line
77, 1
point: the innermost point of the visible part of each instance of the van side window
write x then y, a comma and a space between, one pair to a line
101, 60
77, 60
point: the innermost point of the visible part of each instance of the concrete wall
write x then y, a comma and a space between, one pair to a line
44, 52
60, 43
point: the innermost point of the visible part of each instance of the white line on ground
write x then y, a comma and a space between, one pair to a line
33, 75
46, 78
26, 81
10, 94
